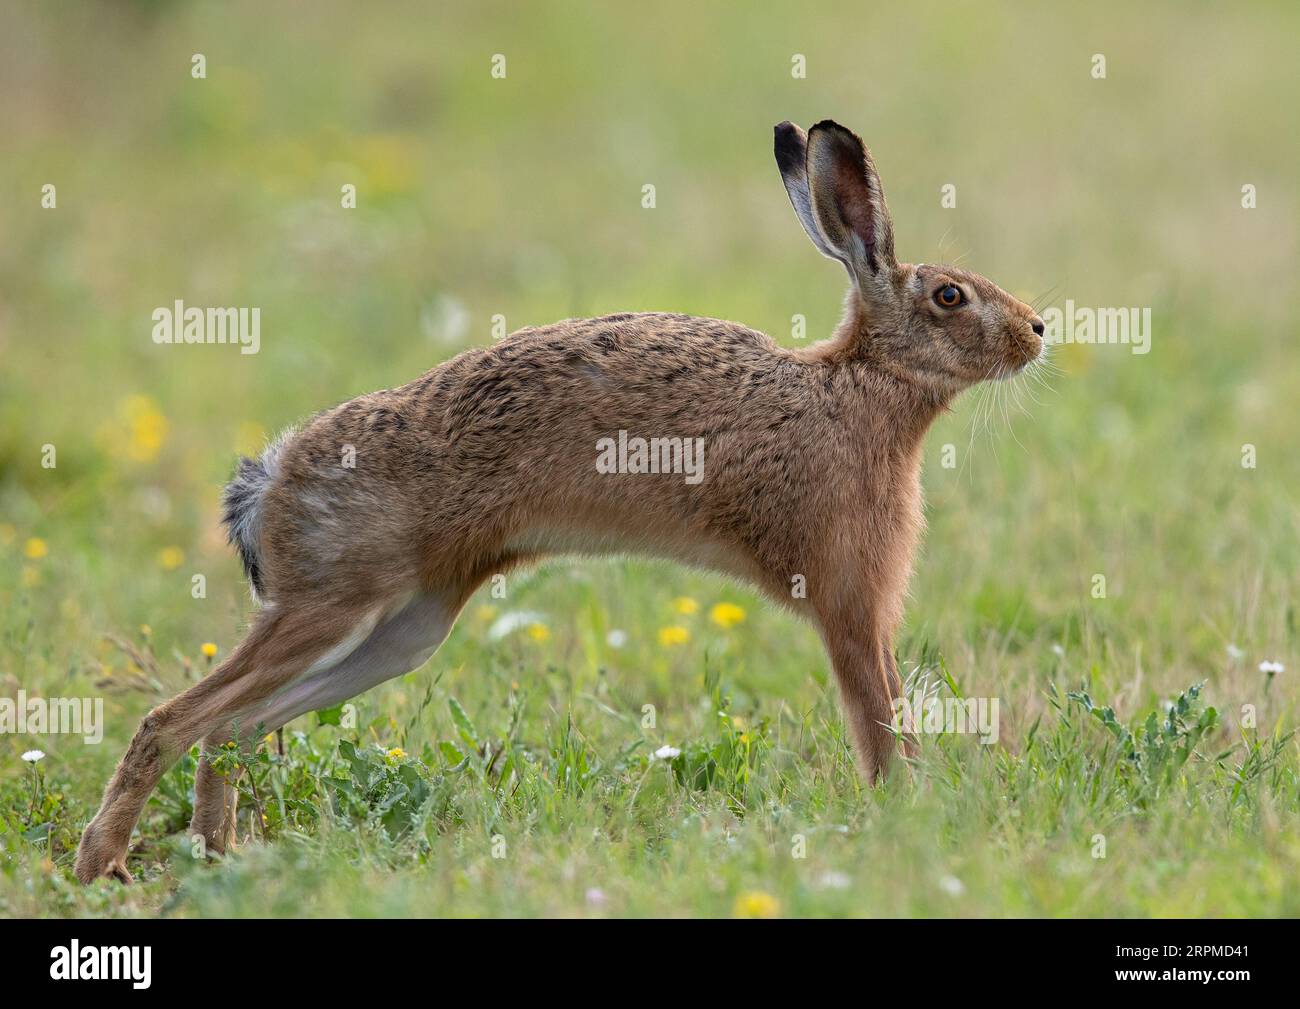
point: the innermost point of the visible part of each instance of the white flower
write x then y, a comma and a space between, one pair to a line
667, 753
833, 880
515, 620
1058, 651
616, 638
31, 756
952, 886
596, 896
445, 320
1271, 667
1234, 652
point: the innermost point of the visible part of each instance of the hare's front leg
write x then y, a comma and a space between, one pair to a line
863, 660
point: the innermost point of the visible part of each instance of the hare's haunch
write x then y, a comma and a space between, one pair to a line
364, 532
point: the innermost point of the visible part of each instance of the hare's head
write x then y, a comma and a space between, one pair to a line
939, 326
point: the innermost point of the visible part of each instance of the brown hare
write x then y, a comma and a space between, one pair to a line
364, 533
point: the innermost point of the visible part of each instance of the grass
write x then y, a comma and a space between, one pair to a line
525, 784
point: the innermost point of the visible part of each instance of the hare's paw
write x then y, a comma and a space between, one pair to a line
99, 856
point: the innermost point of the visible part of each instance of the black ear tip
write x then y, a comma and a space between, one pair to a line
829, 125
787, 134
842, 134
789, 143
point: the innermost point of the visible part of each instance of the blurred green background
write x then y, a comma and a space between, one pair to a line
522, 197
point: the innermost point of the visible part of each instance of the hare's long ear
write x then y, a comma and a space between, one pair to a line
791, 145
848, 202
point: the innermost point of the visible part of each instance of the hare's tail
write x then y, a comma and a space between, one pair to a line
242, 504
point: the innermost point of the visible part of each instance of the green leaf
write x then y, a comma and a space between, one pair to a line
463, 725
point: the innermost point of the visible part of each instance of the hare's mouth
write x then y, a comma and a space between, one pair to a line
1022, 354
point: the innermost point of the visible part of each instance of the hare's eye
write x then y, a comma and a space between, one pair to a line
949, 296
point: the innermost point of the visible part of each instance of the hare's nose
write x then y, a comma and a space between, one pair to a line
1037, 326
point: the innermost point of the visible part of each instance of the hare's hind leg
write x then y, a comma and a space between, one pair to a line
284, 640
215, 798
401, 641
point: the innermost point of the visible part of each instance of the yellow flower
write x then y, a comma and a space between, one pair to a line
396, 753
35, 548
685, 605
208, 649
171, 558
146, 428
539, 632
146, 631
485, 613
675, 635
726, 614
756, 904
390, 162
31, 576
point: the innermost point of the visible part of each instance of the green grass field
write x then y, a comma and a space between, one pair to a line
514, 774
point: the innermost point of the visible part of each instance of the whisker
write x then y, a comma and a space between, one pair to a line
943, 242
1034, 374
1049, 367
982, 398
1008, 386
1038, 303
988, 423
